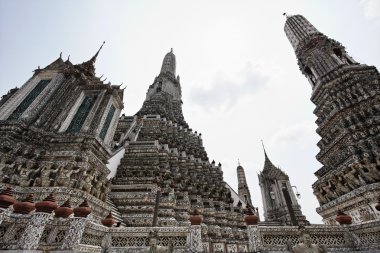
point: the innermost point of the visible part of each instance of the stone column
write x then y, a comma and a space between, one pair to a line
350, 238
32, 234
2, 214
254, 238
74, 235
195, 238
52, 235
107, 241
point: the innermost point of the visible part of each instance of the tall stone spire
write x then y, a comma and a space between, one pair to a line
298, 28
317, 54
164, 96
169, 64
346, 97
243, 189
165, 171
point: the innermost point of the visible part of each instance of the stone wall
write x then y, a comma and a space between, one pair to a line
43, 232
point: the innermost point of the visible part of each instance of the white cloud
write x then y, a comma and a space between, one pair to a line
225, 91
371, 10
294, 133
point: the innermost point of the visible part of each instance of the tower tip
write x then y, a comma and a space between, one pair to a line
93, 59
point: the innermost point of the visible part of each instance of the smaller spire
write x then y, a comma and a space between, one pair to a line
88, 66
270, 168
169, 63
265, 153
93, 59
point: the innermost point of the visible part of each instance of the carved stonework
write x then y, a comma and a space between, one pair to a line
195, 238
165, 172
254, 240
74, 234
63, 144
33, 231
346, 97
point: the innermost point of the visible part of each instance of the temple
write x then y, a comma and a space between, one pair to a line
75, 176
279, 201
165, 172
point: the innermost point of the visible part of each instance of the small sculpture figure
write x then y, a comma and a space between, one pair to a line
305, 245
86, 183
64, 175
369, 172
46, 175
154, 248
352, 179
330, 195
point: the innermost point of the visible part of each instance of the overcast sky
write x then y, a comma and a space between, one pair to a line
239, 75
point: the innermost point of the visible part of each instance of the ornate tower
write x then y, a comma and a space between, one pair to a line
164, 95
346, 95
56, 133
243, 189
165, 172
279, 201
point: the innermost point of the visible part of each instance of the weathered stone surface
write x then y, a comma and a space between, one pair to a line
165, 172
346, 95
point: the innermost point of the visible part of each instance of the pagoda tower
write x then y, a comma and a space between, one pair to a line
279, 201
346, 95
56, 134
243, 189
165, 173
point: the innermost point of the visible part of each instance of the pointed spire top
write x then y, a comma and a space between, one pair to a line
270, 169
88, 66
93, 59
267, 162
299, 30
265, 153
169, 63
60, 55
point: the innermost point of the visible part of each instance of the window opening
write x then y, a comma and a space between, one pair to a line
82, 113
28, 100
107, 122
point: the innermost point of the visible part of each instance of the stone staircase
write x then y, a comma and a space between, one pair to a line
115, 213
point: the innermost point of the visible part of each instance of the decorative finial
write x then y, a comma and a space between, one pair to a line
171, 50
238, 161
68, 58
60, 55
93, 59
285, 14
265, 153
